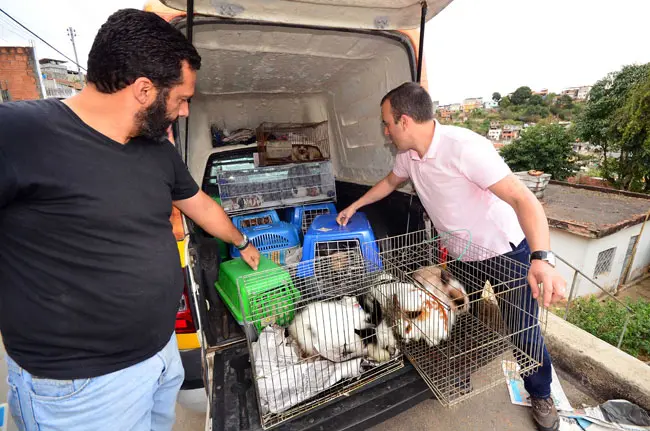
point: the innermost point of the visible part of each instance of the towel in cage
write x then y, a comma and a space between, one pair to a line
279, 241
303, 216
284, 379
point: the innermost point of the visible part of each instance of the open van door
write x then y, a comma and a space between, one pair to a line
401, 15
352, 14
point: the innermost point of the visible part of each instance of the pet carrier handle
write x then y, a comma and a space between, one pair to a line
261, 227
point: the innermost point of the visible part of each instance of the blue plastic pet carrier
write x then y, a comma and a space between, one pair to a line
279, 241
354, 242
256, 219
303, 216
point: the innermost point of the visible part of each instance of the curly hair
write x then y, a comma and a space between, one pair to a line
133, 44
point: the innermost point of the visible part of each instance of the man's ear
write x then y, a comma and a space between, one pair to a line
143, 90
404, 121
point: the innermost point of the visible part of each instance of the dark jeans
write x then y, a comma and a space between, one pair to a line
519, 307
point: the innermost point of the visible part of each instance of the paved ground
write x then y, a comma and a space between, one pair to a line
639, 290
489, 411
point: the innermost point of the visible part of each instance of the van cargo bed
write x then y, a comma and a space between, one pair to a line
235, 406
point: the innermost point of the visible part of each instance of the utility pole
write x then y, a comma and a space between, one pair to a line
72, 33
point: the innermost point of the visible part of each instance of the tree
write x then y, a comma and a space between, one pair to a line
633, 122
521, 96
505, 102
534, 113
564, 102
544, 147
535, 100
597, 124
496, 96
550, 99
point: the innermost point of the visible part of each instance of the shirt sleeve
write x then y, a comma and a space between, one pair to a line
184, 185
400, 166
8, 181
481, 163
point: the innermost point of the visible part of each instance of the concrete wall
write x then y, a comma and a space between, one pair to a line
583, 253
18, 73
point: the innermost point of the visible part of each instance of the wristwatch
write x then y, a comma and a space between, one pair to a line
244, 242
547, 256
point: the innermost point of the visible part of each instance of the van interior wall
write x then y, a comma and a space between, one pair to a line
235, 111
254, 73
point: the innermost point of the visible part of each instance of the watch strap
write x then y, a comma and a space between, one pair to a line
244, 243
539, 254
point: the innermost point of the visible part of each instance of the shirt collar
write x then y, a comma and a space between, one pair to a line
431, 152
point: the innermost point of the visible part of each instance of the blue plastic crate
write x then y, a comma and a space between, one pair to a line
325, 237
303, 216
279, 241
256, 219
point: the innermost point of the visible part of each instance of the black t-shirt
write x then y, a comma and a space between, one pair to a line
90, 276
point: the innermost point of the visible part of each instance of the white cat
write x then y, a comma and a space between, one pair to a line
327, 329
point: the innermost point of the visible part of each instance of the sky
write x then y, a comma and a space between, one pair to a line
472, 48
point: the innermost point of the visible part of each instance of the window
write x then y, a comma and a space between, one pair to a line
605, 260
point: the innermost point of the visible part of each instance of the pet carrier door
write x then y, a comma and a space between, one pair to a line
462, 322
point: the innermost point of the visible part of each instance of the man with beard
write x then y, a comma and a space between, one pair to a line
90, 279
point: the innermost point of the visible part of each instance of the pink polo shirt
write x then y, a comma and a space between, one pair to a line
452, 183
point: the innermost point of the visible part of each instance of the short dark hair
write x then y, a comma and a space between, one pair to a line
133, 44
412, 100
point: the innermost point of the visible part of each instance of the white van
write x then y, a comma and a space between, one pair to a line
287, 61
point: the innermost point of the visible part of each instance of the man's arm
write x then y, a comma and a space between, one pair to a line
528, 209
208, 214
379, 191
535, 226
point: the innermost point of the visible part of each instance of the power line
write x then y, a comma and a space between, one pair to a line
41, 39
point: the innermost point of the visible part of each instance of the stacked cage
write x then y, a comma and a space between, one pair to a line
461, 321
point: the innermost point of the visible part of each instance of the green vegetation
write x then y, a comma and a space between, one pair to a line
521, 107
545, 147
605, 320
617, 119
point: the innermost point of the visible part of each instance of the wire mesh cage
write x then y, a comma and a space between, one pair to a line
328, 349
246, 189
317, 330
465, 315
280, 143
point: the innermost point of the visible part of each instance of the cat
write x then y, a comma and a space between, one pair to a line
425, 310
327, 328
305, 153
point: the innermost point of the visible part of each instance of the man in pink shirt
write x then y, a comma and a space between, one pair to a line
463, 183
